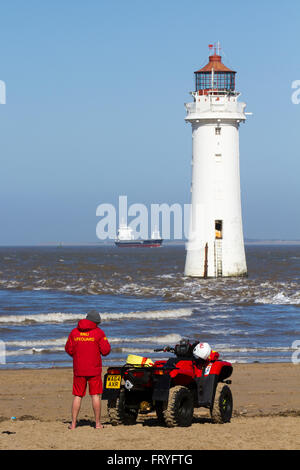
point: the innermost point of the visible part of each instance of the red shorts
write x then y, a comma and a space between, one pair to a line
80, 384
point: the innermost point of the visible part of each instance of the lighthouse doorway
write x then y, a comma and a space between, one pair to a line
218, 229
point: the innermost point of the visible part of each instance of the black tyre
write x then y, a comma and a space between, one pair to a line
119, 413
221, 411
180, 408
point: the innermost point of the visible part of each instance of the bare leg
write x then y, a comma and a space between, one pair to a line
75, 410
96, 402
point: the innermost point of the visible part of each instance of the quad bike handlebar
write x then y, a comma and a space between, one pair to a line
184, 348
165, 349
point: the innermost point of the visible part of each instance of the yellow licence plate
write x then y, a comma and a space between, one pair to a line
113, 381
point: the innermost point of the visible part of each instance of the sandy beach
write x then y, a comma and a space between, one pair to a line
266, 415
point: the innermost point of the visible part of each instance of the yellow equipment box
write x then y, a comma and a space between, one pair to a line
139, 361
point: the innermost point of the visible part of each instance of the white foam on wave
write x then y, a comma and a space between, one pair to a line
31, 351
167, 339
69, 317
171, 339
150, 314
278, 299
218, 317
57, 342
139, 351
148, 351
228, 331
254, 349
22, 352
40, 318
38, 342
53, 345
57, 345
50, 346
165, 276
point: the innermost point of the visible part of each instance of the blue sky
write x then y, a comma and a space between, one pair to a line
95, 109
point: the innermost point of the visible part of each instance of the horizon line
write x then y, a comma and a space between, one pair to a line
249, 241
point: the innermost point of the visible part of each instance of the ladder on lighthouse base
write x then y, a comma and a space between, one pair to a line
218, 258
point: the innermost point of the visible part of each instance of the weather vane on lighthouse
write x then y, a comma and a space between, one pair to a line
215, 246
216, 47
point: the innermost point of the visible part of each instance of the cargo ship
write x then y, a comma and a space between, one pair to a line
125, 239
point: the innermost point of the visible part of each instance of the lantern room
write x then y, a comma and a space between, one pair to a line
215, 78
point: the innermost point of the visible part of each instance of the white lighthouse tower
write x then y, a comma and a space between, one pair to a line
216, 245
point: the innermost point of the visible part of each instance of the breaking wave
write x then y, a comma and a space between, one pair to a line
57, 345
57, 342
22, 352
71, 317
172, 287
280, 299
239, 352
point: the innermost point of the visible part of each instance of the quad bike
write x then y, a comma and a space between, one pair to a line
173, 388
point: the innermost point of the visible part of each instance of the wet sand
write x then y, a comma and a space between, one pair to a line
266, 415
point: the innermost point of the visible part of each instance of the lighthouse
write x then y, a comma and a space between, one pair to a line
215, 246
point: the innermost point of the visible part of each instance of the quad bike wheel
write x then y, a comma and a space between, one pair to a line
221, 411
180, 408
119, 413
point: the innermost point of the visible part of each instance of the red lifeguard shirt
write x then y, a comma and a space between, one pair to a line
86, 344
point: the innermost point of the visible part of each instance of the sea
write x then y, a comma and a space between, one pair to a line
146, 302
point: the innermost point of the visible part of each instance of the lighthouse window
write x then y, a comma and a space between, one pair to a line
218, 229
217, 81
218, 130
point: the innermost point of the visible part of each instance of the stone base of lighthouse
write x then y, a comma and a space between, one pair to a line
215, 258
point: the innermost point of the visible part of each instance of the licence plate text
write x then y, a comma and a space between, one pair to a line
113, 381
